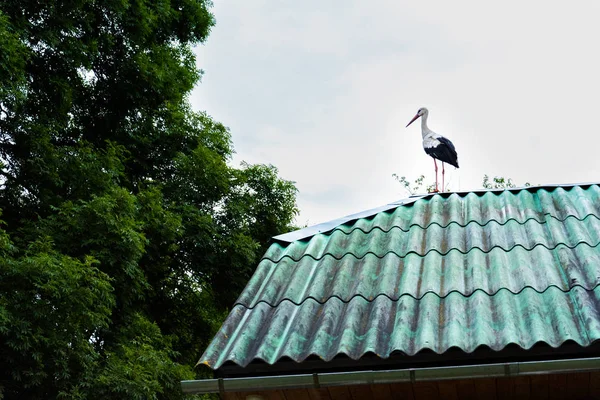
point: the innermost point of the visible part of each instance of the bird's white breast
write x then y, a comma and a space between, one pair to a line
430, 140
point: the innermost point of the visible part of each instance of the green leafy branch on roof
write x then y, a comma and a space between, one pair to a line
415, 186
419, 185
499, 182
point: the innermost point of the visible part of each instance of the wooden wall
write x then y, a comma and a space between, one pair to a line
584, 385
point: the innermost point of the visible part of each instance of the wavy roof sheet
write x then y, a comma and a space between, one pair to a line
509, 267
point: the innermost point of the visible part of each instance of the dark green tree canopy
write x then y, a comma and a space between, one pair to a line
126, 233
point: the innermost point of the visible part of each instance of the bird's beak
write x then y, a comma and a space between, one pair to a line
413, 120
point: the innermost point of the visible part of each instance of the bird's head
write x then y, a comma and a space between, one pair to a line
422, 111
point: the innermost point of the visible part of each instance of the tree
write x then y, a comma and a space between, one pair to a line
126, 232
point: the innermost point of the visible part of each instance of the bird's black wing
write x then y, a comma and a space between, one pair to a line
444, 151
448, 143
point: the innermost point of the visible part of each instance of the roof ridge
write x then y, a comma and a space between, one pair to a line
328, 226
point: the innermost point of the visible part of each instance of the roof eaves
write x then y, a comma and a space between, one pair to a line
315, 380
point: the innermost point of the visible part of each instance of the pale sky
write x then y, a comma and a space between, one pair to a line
323, 90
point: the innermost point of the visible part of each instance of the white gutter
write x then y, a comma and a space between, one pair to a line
389, 376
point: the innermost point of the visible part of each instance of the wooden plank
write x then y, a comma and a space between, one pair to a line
595, 385
272, 395
447, 390
381, 392
573, 386
339, 393
319, 394
402, 391
557, 387
296, 394
230, 396
466, 389
505, 388
360, 392
578, 385
243, 395
539, 386
485, 388
425, 390
522, 387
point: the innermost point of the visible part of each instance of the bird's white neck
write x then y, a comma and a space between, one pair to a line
424, 128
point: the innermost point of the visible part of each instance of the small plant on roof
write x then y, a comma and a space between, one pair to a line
499, 182
418, 185
415, 187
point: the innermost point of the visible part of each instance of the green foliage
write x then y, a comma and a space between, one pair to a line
127, 234
416, 185
499, 182
13, 56
141, 365
51, 310
496, 182
108, 229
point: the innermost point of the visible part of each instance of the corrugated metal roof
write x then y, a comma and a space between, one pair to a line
490, 269
383, 326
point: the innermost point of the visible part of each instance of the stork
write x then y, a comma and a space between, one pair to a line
437, 146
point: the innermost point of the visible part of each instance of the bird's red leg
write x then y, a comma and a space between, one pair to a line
436, 176
443, 182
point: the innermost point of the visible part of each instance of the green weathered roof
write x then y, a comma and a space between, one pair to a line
459, 270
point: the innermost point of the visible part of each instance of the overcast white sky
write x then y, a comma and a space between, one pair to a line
323, 90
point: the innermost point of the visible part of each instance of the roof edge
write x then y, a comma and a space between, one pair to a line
317, 380
328, 226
